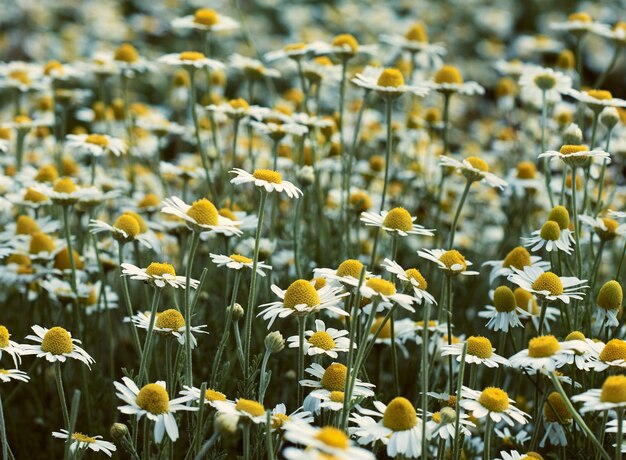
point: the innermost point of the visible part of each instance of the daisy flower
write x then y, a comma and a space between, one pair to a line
452, 262
606, 228
252, 68
237, 262
494, 403
9, 346
611, 396
609, 302
385, 292
211, 396
323, 341
535, 81
65, 192
328, 440
96, 145
575, 155
448, 80
387, 82
415, 41
191, 60
505, 313
397, 222
551, 238
547, 285
6, 375
544, 353
329, 380
296, 51
396, 425
201, 216
442, 424
346, 46
474, 169
280, 418
55, 344
302, 298
152, 401
518, 257
81, 442
347, 273
609, 355
413, 277
556, 415
577, 24
525, 177
124, 230
270, 181
207, 20
597, 99
159, 274
247, 409
479, 351
168, 322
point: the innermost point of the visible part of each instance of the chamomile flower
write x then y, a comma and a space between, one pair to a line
517, 257
329, 380
448, 80
237, 262
159, 274
494, 403
387, 82
332, 401
385, 292
609, 302
65, 192
321, 443
413, 277
452, 262
575, 155
153, 402
322, 341
347, 273
6, 375
268, 180
252, 68
55, 344
415, 40
547, 285
191, 60
611, 396
606, 228
538, 80
556, 416
169, 323
125, 229
474, 169
96, 145
302, 298
504, 313
247, 409
549, 237
210, 395
479, 351
397, 222
442, 424
296, 51
201, 216
206, 20
544, 353
609, 355
395, 424
280, 418
10, 347
81, 442
596, 99
577, 24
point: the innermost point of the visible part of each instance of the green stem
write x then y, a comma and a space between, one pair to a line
425, 379
600, 81
296, 237
196, 125
246, 440
542, 316
579, 262
487, 449
301, 327
59, 382
468, 184
127, 300
446, 119
225, 335
459, 393
235, 133
620, 433
3, 433
147, 347
68, 240
188, 356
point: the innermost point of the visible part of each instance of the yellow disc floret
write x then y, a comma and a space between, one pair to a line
550, 231
206, 17
555, 410
334, 378
97, 139
614, 389
128, 224
301, 292
47, 173
250, 406
518, 257
390, 78
549, 282
65, 185
560, 215
214, 395
417, 33
381, 286
385, 332
526, 301
494, 399
323, 340
448, 74
80, 437
34, 196
268, 175
333, 437
400, 415
610, 296
40, 242
203, 212
160, 269
57, 341
600, 94
126, 53
479, 346
543, 346
453, 257
153, 398
26, 225
575, 335
346, 41
614, 350
191, 56
504, 299
398, 219
478, 163
149, 201
170, 319
413, 274
526, 170
241, 259
570, 149
4, 337
350, 267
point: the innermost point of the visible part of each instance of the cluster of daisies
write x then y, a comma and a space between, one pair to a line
261, 246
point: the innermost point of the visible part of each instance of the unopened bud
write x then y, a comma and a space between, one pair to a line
237, 312
609, 117
572, 135
306, 176
274, 342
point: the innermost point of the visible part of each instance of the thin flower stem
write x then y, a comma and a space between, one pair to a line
602, 173
303, 85
425, 379
199, 419
459, 208
621, 262
188, 356
59, 382
487, 449
207, 446
459, 394
147, 347
446, 122
448, 313
3, 433
70, 251
246, 440
301, 327
264, 381
296, 237
620, 433
234, 153
579, 263
392, 329
602, 77
546, 161
269, 448
225, 335
542, 316
196, 125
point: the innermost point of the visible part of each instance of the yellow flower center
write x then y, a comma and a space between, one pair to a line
268, 175
611, 229
57, 341
278, 420
47, 173
346, 40
337, 396
301, 292
518, 257
600, 94
203, 212
478, 163
65, 185
504, 299
417, 33
569, 149
377, 163
62, 260
550, 282
127, 224
543, 346
333, 437
323, 340
34, 196
251, 407
153, 398
239, 103
4, 337
126, 53
213, 395
80, 437
20, 75
241, 259
615, 349
319, 283
579, 17
40, 242
225, 212
533, 456
26, 225
400, 415
97, 139
479, 346
494, 399
526, 170
160, 269
555, 410
610, 296
448, 74
350, 267
614, 389
398, 219
381, 286
560, 215
143, 227
334, 378
170, 319
360, 201
149, 201
525, 300
294, 47
575, 335
18, 259
436, 417
191, 56
453, 257
385, 332
550, 231
414, 274
206, 17
390, 78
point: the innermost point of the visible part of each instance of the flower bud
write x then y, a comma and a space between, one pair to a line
305, 176
609, 117
237, 312
274, 342
572, 135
